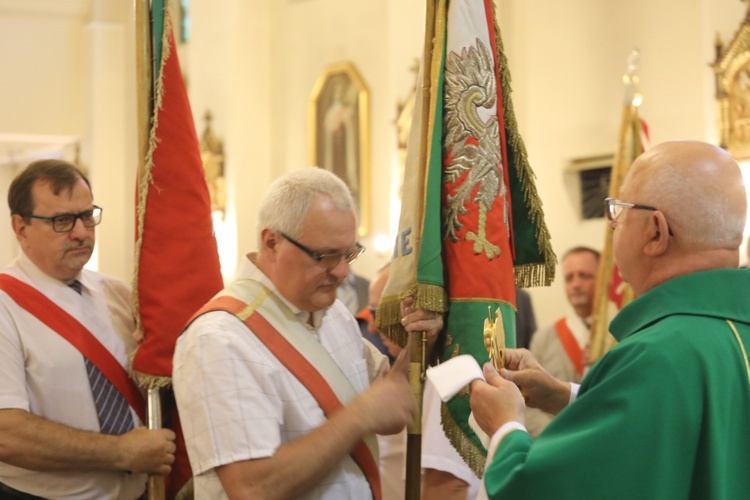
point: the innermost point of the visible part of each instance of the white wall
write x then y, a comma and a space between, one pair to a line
253, 64
42, 84
567, 60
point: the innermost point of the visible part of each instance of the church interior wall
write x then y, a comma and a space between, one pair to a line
253, 65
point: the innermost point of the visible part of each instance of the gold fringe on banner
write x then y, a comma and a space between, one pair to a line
146, 380
528, 275
474, 457
388, 316
471, 455
545, 272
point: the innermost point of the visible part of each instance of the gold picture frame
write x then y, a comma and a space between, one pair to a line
732, 68
339, 132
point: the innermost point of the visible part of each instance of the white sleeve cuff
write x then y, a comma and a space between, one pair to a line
499, 435
573, 392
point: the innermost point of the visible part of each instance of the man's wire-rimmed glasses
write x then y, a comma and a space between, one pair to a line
328, 260
615, 207
64, 223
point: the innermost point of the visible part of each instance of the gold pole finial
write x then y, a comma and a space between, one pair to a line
633, 97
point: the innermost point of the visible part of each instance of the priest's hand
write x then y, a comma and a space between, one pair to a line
539, 388
496, 401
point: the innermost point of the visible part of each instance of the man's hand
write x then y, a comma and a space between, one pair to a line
495, 402
539, 388
147, 451
389, 404
138, 336
419, 320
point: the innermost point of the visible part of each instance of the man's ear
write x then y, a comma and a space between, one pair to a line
269, 239
19, 226
658, 234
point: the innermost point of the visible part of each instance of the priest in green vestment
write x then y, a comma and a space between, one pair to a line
666, 413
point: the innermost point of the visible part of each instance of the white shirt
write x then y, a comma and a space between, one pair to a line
238, 402
45, 375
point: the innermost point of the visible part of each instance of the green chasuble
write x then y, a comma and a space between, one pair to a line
663, 415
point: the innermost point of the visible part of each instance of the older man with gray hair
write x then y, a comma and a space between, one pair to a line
676, 389
279, 394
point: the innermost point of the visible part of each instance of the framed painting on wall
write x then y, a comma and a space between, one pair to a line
339, 132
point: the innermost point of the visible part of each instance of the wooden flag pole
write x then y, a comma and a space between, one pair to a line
628, 147
418, 340
417, 343
145, 97
144, 78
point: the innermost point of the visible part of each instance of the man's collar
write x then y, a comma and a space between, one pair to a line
36, 274
720, 293
249, 270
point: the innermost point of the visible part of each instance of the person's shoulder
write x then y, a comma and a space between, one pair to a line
664, 343
546, 332
9, 271
15, 272
214, 322
542, 338
95, 277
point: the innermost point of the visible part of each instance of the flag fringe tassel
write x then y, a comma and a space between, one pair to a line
388, 317
527, 275
146, 380
472, 456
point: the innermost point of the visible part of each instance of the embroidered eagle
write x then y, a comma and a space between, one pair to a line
471, 144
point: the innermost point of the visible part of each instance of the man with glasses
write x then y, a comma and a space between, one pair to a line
278, 393
665, 414
67, 424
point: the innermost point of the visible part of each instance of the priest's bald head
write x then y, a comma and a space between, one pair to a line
681, 210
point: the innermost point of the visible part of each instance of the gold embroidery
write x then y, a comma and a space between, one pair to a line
472, 144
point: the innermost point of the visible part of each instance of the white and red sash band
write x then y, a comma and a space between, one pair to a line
300, 352
570, 345
69, 328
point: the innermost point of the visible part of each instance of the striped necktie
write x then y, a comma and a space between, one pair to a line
111, 406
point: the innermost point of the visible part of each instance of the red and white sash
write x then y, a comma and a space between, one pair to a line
300, 352
69, 328
570, 344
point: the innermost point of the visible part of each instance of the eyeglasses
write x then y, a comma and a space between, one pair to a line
64, 223
328, 260
615, 207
